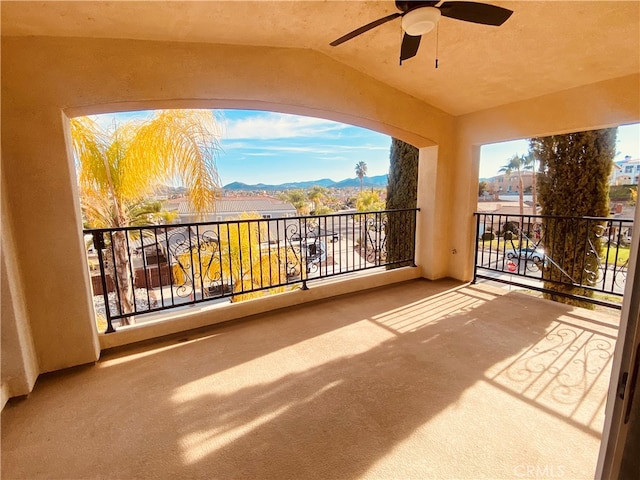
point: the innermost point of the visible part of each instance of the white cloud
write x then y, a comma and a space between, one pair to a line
362, 147
260, 154
278, 125
259, 149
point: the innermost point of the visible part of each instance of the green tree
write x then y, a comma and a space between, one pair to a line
323, 210
317, 194
118, 170
482, 188
575, 170
298, 199
140, 213
361, 172
402, 192
369, 201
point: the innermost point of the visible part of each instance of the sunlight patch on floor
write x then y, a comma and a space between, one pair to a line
436, 308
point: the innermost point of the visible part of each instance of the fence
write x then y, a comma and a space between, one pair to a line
580, 257
139, 270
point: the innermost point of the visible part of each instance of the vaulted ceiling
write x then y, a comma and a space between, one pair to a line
544, 47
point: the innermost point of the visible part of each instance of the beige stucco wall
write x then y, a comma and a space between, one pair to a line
600, 105
45, 79
19, 366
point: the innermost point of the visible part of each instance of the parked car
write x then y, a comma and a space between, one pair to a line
535, 255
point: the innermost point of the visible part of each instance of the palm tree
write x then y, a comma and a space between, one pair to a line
118, 170
516, 164
361, 171
317, 194
529, 162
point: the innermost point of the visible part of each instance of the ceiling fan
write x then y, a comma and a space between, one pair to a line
421, 16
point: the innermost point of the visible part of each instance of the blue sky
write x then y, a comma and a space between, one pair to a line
272, 148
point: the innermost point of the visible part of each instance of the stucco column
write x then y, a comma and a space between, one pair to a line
432, 250
464, 192
19, 362
447, 197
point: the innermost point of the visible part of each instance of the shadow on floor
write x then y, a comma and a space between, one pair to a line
362, 385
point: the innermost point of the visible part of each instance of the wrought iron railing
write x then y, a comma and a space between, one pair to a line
140, 270
581, 257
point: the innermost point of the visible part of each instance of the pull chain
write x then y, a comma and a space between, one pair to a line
437, 35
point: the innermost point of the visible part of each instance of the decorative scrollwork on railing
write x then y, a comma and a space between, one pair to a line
573, 256
305, 248
294, 251
210, 270
172, 265
375, 235
179, 247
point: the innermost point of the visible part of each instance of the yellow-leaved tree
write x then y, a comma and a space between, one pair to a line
242, 256
118, 170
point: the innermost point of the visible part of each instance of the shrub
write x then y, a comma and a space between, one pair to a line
488, 236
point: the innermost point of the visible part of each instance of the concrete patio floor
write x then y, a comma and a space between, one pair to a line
412, 381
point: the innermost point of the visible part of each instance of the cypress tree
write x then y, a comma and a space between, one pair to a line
574, 181
402, 192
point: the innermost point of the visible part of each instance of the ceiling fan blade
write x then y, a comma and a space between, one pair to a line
475, 12
409, 47
364, 28
406, 5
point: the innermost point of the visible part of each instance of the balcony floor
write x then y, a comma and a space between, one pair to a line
416, 380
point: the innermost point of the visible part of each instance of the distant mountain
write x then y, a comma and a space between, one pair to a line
169, 190
375, 181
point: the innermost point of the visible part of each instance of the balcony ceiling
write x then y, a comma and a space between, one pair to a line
545, 47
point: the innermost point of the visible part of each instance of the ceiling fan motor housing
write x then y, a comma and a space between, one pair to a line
420, 21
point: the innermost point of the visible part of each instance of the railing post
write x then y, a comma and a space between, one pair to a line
98, 243
415, 228
475, 246
183, 247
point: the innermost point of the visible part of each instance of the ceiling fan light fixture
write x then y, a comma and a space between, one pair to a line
420, 21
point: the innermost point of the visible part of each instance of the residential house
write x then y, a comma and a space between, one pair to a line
232, 207
625, 172
507, 183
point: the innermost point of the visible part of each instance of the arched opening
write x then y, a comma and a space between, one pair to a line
292, 199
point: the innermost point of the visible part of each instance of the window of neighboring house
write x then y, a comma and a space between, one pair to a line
509, 188
637, 168
500, 180
628, 169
